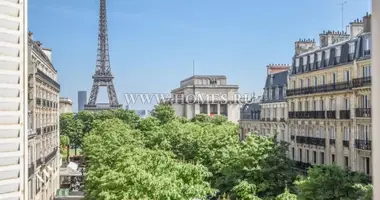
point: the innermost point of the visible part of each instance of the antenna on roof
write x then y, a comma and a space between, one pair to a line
193, 68
342, 5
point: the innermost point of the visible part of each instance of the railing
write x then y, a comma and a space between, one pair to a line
282, 119
274, 120
344, 114
39, 162
311, 140
331, 114
307, 115
346, 143
363, 112
30, 169
361, 82
367, 52
320, 88
332, 141
363, 144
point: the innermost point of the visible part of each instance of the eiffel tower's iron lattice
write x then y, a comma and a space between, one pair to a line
103, 76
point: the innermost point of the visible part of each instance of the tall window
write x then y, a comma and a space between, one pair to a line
331, 104
299, 106
347, 76
333, 78
223, 109
314, 105
307, 156
203, 108
323, 79
346, 104
301, 155
351, 49
284, 91
277, 91
365, 101
367, 71
308, 82
297, 62
322, 105
214, 109
301, 83
367, 44
332, 133
346, 134
293, 153
322, 158
337, 51
306, 106
315, 81
311, 58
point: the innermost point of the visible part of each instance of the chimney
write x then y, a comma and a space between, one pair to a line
277, 68
327, 38
356, 27
304, 45
367, 23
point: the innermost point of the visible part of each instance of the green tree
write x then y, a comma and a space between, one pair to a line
120, 168
286, 196
72, 128
330, 182
64, 144
164, 113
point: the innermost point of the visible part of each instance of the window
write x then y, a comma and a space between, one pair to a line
322, 105
284, 91
213, 109
299, 106
277, 91
293, 153
333, 78
306, 106
311, 58
346, 104
270, 94
367, 44
301, 83
203, 108
314, 105
319, 56
271, 79
332, 133
331, 104
314, 157
307, 156
223, 110
337, 52
297, 62
365, 102
323, 80
351, 48
292, 106
327, 54
308, 82
346, 134
315, 81
322, 158
265, 94
294, 84
367, 71
346, 161
301, 155
347, 76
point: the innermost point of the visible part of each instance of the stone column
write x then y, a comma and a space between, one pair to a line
218, 108
208, 109
339, 145
375, 96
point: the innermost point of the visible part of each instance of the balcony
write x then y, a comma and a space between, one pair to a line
363, 112
332, 141
267, 119
302, 166
274, 120
282, 119
30, 169
310, 140
367, 52
346, 143
362, 82
363, 144
331, 114
320, 88
344, 114
307, 115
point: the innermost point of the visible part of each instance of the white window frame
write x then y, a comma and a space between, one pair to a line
367, 71
351, 48
311, 58
327, 54
332, 133
297, 62
338, 51
346, 132
319, 56
304, 60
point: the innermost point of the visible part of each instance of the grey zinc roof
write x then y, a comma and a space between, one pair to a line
279, 79
247, 111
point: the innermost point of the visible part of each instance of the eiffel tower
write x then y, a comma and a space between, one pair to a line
103, 76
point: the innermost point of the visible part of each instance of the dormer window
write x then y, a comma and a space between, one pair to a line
319, 59
297, 62
337, 55
265, 94
304, 60
311, 57
327, 58
271, 80
351, 51
270, 94
277, 93
367, 46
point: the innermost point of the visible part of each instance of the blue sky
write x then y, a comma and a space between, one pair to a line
154, 42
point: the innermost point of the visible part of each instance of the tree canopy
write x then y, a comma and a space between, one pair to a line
169, 158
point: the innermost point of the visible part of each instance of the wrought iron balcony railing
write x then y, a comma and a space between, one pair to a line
363, 144
320, 88
331, 114
362, 82
307, 115
363, 112
311, 140
346, 143
344, 114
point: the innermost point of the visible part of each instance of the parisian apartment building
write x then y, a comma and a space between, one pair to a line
43, 106
14, 100
329, 99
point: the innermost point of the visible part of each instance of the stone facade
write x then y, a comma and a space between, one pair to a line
65, 105
329, 100
43, 102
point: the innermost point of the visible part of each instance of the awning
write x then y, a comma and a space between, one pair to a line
46, 173
39, 178
50, 169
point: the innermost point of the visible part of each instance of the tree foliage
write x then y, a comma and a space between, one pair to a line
168, 157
